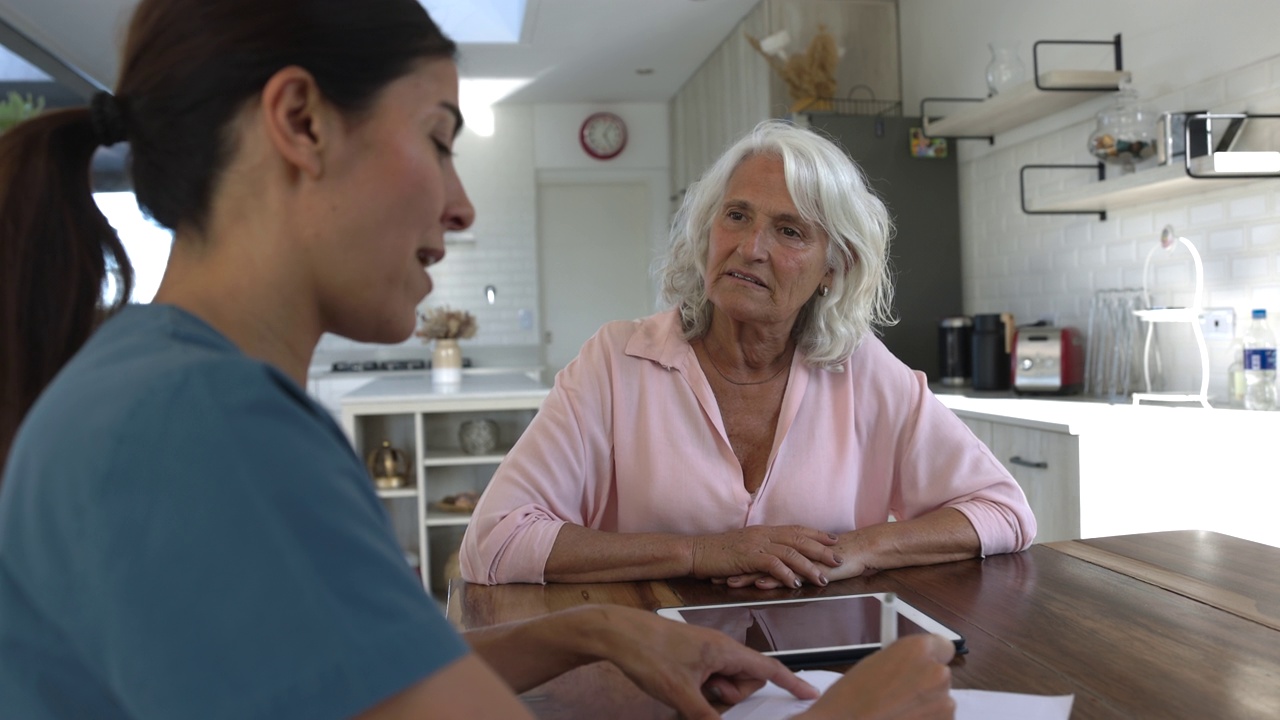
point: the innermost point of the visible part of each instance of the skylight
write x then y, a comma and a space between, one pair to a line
15, 69
478, 21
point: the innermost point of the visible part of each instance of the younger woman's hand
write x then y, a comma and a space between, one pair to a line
909, 680
689, 667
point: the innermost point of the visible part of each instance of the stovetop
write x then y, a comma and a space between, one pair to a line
383, 365
375, 365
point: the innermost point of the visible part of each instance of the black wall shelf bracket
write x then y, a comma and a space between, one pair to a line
1097, 168
991, 139
1035, 64
1236, 120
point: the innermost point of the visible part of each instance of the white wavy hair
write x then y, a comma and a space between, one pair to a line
830, 192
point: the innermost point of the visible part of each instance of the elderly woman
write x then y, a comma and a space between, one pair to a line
757, 432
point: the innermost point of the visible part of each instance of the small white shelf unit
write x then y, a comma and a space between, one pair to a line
422, 420
1170, 240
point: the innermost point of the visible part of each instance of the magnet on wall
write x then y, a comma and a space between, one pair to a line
927, 147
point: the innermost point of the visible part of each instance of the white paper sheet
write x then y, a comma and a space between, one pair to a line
774, 703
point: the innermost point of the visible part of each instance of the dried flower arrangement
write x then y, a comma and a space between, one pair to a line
446, 323
811, 75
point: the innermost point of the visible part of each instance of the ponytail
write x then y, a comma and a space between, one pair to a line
56, 251
187, 68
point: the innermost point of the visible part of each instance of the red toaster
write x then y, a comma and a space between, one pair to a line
1048, 360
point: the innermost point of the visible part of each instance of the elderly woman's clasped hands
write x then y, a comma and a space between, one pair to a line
768, 555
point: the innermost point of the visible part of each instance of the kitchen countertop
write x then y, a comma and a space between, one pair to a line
416, 387
1075, 414
1154, 467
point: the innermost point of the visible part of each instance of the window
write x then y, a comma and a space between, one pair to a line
146, 243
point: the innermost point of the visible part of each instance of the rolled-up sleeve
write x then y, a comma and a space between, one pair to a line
557, 472
940, 463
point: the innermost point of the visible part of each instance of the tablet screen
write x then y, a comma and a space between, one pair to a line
801, 625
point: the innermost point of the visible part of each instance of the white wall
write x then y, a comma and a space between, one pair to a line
501, 174
560, 160
556, 144
1183, 54
498, 174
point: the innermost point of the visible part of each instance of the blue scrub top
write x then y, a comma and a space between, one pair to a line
185, 534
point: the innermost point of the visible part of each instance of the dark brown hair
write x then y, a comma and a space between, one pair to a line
188, 67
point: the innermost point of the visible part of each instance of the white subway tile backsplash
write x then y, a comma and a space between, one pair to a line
1265, 235
1228, 239
1133, 278
1050, 239
1065, 260
1136, 223
1216, 271
1266, 297
1250, 268
1169, 277
1108, 278
1232, 297
1077, 234
1206, 213
1121, 253
1247, 207
1175, 216
1079, 283
1091, 257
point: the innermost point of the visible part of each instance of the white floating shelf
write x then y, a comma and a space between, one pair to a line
406, 492
1144, 186
447, 458
1025, 103
436, 518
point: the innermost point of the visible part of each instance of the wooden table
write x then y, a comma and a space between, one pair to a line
1162, 625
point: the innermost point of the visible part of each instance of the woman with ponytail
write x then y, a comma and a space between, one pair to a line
184, 533
57, 253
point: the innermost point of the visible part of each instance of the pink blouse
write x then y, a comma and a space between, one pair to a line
631, 440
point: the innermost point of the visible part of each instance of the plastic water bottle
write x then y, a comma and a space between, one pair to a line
1260, 364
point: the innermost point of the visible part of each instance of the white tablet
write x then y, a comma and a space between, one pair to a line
819, 631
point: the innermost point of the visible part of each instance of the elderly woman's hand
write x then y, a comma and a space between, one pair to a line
787, 554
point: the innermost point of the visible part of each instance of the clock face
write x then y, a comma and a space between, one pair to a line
603, 135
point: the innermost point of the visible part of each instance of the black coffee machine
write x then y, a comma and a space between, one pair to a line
992, 351
955, 351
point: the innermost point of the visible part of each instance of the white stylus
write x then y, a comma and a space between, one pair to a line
888, 620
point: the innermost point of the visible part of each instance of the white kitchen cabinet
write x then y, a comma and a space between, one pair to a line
423, 422
1123, 469
1046, 464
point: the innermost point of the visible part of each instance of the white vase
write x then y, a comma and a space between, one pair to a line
1005, 69
446, 363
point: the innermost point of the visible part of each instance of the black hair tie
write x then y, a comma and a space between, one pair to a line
107, 118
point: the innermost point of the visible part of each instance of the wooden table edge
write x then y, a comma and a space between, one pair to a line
1189, 587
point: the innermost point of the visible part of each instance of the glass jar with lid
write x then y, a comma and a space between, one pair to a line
1126, 132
